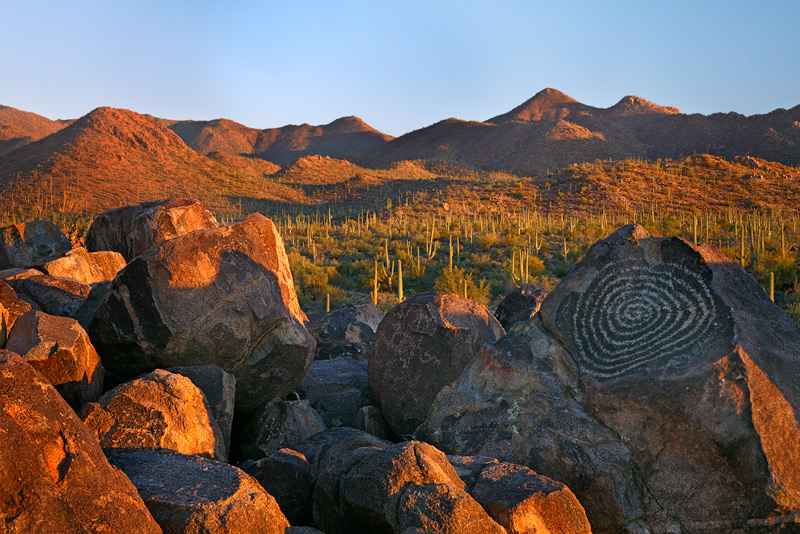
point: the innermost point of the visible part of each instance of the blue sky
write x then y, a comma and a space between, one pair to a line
397, 65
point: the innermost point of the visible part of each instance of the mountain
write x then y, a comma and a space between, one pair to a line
18, 128
279, 145
552, 130
112, 157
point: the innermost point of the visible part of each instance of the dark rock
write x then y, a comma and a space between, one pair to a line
85, 312
52, 294
345, 331
520, 305
287, 476
219, 389
522, 501
666, 399
223, 296
422, 345
335, 442
86, 267
133, 230
469, 468
370, 419
188, 494
160, 409
55, 478
18, 273
27, 243
60, 349
279, 424
336, 389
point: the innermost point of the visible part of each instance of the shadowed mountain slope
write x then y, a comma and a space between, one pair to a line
18, 128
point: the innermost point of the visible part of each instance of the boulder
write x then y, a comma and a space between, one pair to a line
85, 312
524, 502
27, 243
17, 273
5, 317
279, 424
657, 382
345, 331
132, 230
160, 409
86, 267
422, 345
287, 476
520, 305
192, 494
55, 295
370, 419
14, 306
55, 478
336, 389
469, 468
223, 296
335, 442
59, 349
219, 388
408, 485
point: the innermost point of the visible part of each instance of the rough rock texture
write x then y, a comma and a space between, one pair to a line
14, 306
469, 468
524, 502
520, 305
134, 229
336, 389
60, 349
5, 317
287, 476
406, 485
55, 478
345, 331
86, 267
18, 273
278, 425
223, 296
219, 389
370, 419
667, 402
161, 409
55, 295
191, 494
335, 442
421, 346
27, 243
85, 313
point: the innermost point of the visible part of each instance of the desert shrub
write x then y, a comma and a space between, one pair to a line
457, 281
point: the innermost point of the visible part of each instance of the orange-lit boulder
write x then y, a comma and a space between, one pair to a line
55, 478
60, 349
55, 295
134, 229
86, 267
222, 296
160, 409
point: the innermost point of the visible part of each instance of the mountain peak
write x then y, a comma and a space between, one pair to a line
635, 105
548, 104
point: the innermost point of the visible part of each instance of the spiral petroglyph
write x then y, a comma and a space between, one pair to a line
633, 314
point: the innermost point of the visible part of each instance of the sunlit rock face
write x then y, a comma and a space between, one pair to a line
55, 478
132, 230
27, 243
660, 384
222, 296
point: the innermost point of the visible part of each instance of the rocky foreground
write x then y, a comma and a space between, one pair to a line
165, 379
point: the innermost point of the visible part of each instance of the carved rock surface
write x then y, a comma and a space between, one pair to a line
520, 305
666, 400
56, 295
86, 267
60, 349
160, 409
132, 230
55, 478
192, 494
223, 296
27, 243
524, 502
336, 389
422, 345
345, 331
